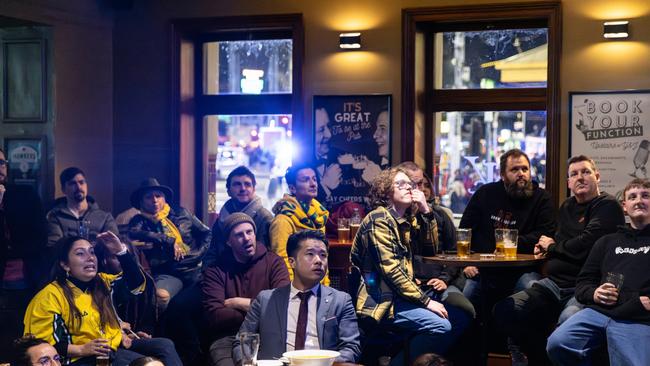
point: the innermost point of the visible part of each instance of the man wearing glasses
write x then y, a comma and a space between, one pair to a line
32, 351
23, 259
381, 253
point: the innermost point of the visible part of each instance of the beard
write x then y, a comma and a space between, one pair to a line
79, 196
514, 190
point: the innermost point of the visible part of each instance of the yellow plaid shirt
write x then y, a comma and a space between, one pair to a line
382, 253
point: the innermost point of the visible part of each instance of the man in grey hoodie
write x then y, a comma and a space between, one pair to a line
241, 189
77, 213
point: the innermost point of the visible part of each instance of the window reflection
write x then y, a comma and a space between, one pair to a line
470, 144
508, 58
248, 67
260, 142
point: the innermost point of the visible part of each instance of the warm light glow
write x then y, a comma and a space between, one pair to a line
615, 55
345, 16
350, 65
619, 9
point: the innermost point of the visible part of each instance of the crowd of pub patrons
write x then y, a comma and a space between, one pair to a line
81, 286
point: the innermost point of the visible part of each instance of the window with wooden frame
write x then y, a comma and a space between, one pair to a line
240, 90
477, 81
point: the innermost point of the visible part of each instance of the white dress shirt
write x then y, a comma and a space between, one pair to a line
311, 341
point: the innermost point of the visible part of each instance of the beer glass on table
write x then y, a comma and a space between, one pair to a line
249, 343
506, 238
344, 230
464, 238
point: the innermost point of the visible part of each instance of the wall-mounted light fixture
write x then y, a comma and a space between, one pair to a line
350, 41
616, 29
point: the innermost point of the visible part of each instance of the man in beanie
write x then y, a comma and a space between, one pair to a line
240, 185
243, 270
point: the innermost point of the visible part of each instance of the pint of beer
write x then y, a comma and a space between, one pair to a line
464, 238
503, 236
103, 360
344, 230
506, 242
354, 228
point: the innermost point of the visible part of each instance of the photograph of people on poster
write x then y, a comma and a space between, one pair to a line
351, 145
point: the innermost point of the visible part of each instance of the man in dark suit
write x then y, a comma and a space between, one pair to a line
23, 254
305, 314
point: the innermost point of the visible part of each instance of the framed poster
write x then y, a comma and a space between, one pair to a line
24, 91
26, 161
351, 144
612, 128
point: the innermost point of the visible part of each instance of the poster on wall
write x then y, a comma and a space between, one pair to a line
351, 145
612, 128
25, 157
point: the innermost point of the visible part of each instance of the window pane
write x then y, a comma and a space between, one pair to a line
509, 58
469, 145
260, 142
247, 67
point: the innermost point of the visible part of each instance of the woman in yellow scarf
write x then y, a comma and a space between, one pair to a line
172, 239
297, 211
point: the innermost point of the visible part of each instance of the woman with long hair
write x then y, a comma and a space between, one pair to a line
75, 313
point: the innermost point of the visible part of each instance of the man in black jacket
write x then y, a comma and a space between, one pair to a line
514, 202
527, 317
23, 254
618, 313
77, 214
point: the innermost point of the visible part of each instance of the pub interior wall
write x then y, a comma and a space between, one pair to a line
113, 75
83, 87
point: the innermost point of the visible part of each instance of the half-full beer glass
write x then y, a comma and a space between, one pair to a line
464, 238
506, 238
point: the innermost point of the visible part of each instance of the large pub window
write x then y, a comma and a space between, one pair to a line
478, 81
238, 105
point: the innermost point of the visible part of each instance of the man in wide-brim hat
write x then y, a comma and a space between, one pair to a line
172, 239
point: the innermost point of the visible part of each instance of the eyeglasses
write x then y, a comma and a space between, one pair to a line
3, 162
405, 184
49, 361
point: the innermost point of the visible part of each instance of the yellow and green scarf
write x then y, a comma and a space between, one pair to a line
168, 226
314, 219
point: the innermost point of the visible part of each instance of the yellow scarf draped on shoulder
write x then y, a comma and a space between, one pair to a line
168, 226
314, 219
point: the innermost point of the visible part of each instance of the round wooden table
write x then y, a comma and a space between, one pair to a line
483, 261
486, 262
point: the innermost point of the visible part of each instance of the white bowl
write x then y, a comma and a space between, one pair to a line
311, 357
269, 363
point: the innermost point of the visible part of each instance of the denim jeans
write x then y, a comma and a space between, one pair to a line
472, 289
573, 342
529, 316
161, 348
565, 296
430, 329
